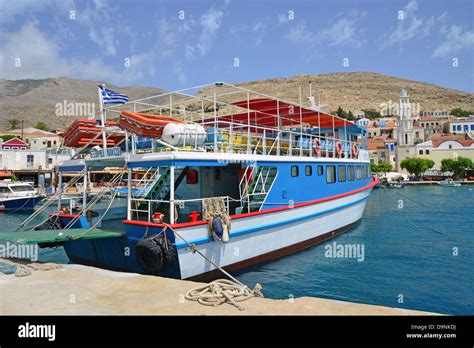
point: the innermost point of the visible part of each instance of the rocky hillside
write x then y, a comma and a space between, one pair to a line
35, 100
359, 90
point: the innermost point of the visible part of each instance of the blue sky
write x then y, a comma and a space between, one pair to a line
177, 44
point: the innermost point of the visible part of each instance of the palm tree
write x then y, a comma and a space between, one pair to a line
13, 123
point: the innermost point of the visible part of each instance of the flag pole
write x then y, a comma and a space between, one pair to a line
102, 119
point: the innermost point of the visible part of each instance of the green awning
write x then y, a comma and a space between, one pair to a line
56, 236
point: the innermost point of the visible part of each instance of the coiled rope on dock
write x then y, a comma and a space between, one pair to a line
219, 291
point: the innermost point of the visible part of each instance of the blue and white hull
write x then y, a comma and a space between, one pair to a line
264, 237
20, 203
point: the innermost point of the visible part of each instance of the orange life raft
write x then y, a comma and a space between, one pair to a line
145, 125
82, 131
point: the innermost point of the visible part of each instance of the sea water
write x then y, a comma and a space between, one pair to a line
415, 251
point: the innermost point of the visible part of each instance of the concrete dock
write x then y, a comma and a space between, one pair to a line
76, 289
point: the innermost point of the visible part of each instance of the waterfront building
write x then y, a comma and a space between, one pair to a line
462, 126
37, 138
382, 149
15, 144
444, 149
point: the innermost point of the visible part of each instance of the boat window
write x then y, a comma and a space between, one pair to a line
308, 170
341, 173
368, 171
294, 171
351, 173
320, 170
359, 172
21, 188
330, 174
364, 172
4, 189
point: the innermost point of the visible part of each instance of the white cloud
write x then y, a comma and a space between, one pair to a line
167, 32
9, 10
456, 39
343, 31
282, 19
211, 22
40, 58
190, 52
179, 72
255, 32
299, 34
103, 22
409, 27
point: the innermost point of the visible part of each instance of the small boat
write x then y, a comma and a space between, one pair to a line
449, 183
18, 196
395, 185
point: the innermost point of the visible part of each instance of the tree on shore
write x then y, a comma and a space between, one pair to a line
381, 167
417, 166
13, 123
42, 126
457, 166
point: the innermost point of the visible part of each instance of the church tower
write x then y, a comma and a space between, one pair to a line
405, 120
405, 139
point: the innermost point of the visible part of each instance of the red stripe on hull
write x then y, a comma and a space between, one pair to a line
272, 255
374, 182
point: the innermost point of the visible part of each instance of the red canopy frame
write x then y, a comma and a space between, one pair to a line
264, 112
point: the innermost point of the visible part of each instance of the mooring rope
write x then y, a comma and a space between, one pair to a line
222, 290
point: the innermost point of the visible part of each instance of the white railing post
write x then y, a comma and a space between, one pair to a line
129, 194
172, 194
279, 128
84, 190
60, 186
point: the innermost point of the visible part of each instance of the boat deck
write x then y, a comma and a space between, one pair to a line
56, 236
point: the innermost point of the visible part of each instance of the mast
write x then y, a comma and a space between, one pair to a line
102, 119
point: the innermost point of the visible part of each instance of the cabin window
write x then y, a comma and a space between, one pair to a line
351, 173
341, 173
308, 170
364, 172
368, 171
294, 171
330, 174
359, 172
320, 170
21, 188
4, 189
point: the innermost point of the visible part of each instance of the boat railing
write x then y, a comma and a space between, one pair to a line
183, 205
231, 137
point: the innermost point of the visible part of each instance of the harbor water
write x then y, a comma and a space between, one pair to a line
415, 250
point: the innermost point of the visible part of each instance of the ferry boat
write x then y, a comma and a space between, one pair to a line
241, 177
18, 196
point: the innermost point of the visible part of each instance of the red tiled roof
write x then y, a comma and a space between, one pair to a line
464, 143
15, 142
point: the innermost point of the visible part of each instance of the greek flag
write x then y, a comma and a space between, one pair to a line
111, 97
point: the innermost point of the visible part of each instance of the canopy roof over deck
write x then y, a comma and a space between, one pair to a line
264, 112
